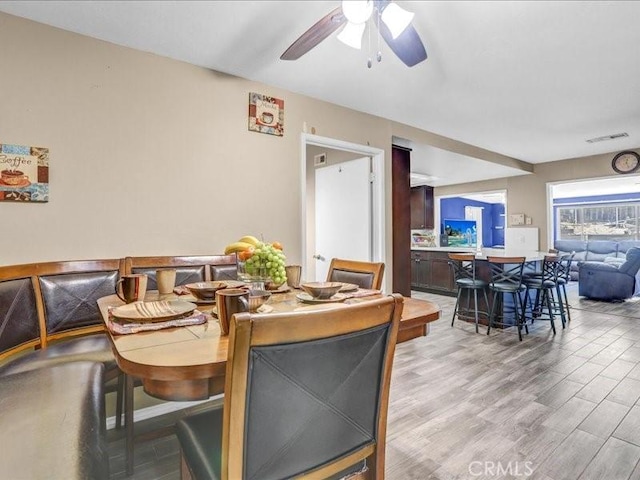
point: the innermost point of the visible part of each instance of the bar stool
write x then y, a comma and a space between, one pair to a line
464, 273
564, 277
544, 286
506, 279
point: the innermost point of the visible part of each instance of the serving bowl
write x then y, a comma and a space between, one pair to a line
321, 290
205, 290
257, 298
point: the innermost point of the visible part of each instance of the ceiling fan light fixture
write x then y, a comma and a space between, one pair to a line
396, 18
357, 11
352, 34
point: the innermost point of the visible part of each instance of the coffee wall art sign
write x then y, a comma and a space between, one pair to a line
24, 173
266, 114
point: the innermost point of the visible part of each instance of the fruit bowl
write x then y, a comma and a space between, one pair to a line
257, 298
252, 275
321, 290
205, 290
271, 285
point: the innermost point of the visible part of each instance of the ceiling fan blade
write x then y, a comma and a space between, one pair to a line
407, 46
316, 34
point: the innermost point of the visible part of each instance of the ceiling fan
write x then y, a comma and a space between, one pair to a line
393, 22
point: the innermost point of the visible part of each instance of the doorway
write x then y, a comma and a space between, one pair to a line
337, 152
343, 213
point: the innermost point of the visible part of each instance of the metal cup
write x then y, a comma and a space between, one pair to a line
228, 302
132, 288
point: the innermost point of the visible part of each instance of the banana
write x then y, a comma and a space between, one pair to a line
251, 240
236, 247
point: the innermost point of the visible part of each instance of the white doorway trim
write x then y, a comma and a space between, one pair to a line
378, 194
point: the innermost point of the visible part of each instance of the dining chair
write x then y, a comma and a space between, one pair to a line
364, 274
506, 280
467, 282
306, 396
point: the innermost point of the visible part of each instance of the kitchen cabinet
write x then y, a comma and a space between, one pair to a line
430, 272
421, 201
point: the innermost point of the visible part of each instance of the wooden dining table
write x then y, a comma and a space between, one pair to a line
188, 363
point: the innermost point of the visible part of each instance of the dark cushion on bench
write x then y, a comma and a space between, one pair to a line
184, 275
70, 298
92, 348
224, 272
18, 314
52, 423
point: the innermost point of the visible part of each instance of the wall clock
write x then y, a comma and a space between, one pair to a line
626, 162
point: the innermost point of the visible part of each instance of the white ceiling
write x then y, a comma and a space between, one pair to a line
530, 80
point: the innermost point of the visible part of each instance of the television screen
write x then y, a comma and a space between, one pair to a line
461, 233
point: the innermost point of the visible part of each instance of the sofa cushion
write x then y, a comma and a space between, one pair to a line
625, 245
615, 261
597, 251
567, 246
53, 423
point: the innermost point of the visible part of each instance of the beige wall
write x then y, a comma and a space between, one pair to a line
149, 155
152, 156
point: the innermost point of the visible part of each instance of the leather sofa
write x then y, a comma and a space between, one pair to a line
606, 281
602, 251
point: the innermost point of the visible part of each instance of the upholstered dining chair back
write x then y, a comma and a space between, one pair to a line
21, 325
306, 396
70, 291
363, 274
189, 269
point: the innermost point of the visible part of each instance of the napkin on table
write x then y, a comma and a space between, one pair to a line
362, 292
118, 328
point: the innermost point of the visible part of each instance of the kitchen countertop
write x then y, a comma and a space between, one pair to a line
494, 252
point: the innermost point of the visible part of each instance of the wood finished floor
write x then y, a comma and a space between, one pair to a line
467, 406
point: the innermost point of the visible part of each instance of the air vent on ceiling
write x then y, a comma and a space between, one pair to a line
607, 137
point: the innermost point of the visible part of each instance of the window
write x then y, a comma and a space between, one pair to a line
598, 222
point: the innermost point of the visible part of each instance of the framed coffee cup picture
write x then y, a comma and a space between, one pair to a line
24, 173
266, 114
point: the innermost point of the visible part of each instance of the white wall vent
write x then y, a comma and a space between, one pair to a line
607, 137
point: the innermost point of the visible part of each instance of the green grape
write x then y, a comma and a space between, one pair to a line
267, 260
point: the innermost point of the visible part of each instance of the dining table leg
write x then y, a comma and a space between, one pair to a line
128, 421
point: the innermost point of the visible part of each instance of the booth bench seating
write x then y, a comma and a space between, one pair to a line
56, 361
